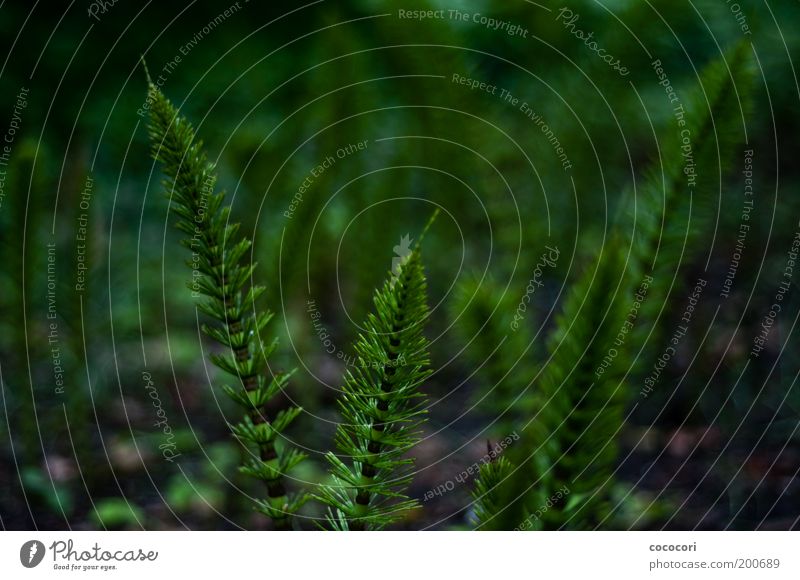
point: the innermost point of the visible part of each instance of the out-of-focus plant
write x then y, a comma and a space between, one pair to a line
571, 443
116, 513
497, 346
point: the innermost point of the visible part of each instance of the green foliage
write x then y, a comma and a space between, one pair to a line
486, 493
641, 510
20, 212
382, 407
354, 76
198, 493
221, 275
571, 440
499, 348
571, 443
58, 499
676, 203
115, 513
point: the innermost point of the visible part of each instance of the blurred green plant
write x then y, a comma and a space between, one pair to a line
115, 513
497, 347
202, 494
675, 206
583, 391
58, 498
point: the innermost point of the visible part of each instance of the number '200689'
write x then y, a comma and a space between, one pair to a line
758, 563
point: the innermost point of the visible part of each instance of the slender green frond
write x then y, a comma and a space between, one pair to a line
567, 458
221, 275
382, 407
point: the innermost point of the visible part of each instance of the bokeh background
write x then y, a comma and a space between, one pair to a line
91, 360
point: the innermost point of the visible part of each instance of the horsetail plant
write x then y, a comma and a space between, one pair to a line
221, 276
500, 349
571, 442
486, 494
676, 206
567, 456
572, 438
381, 406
